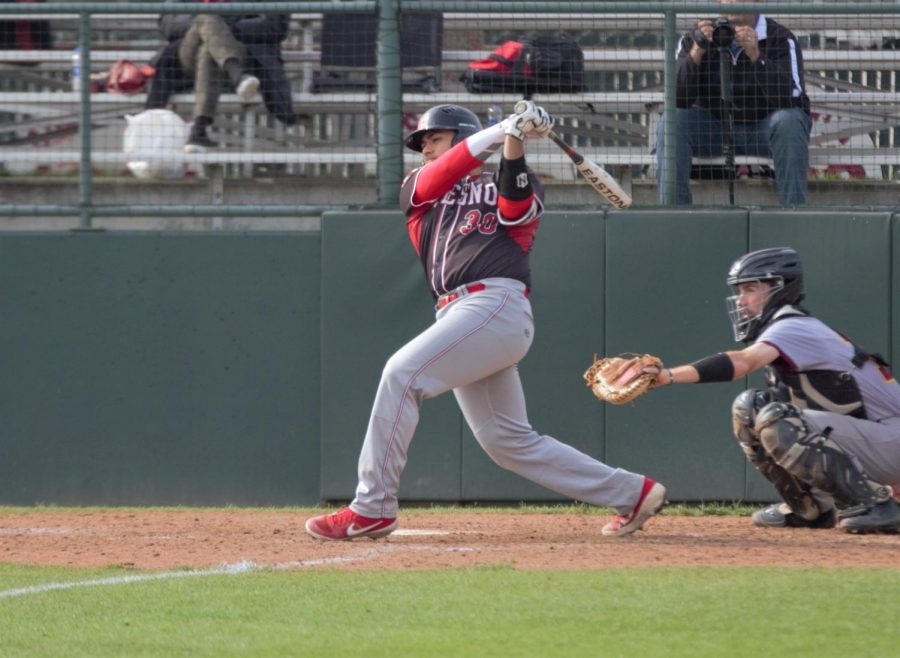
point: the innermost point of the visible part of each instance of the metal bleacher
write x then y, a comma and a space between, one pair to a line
851, 81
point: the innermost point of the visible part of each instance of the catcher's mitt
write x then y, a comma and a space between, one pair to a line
621, 379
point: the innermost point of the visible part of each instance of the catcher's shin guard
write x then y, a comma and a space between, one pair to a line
795, 493
815, 459
743, 419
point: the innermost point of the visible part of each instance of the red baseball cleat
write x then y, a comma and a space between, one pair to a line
346, 524
653, 497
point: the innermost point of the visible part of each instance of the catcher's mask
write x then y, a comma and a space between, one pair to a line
781, 268
444, 117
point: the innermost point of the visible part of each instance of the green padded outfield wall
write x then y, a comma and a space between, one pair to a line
216, 368
144, 368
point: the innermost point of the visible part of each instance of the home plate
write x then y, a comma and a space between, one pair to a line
419, 533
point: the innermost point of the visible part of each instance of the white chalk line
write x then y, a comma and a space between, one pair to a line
412, 532
242, 567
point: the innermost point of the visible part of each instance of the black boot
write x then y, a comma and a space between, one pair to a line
883, 517
199, 141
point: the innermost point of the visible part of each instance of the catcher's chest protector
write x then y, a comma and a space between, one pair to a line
825, 390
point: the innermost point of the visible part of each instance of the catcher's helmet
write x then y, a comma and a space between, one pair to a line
779, 266
444, 117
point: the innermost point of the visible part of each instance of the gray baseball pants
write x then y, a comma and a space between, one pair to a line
472, 349
874, 446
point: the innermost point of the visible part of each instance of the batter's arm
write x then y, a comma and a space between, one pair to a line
437, 178
517, 203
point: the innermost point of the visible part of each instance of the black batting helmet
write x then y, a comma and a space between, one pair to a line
779, 266
444, 117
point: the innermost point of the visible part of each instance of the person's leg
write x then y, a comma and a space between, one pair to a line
817, 448
875, 447
697, 133
494, 408
210, 33
787, 133
803, 506
189, 48
207, 89
228, 53
219, 40
472, 338
267, 66
208, 85
158, 94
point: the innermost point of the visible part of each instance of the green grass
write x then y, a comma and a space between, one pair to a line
481, 612
493, 611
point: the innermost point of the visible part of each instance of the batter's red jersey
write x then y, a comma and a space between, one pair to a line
454, 227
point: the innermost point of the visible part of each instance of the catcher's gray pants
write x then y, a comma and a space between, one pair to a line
874, 446
473, 348
206, 46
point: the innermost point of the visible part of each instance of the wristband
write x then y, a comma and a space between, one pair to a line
716, 368
513, 182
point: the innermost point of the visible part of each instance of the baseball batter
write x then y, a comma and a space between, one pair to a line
473, 233
826, 433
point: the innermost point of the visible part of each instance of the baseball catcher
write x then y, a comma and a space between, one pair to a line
826, 431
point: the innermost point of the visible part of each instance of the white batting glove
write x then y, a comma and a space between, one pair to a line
528, 119
517, 125
543, 124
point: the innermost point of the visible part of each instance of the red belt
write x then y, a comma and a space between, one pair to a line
462, 291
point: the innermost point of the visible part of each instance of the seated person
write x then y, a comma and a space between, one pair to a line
770, 108
208, 52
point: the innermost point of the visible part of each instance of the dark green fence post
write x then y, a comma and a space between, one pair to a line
390, 103
85, 187
669, 113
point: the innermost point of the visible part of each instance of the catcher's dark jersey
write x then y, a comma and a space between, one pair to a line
453, 224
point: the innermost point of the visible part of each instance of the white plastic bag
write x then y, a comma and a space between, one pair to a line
154, 141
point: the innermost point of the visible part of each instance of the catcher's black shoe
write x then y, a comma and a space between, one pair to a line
781, 516
883, 517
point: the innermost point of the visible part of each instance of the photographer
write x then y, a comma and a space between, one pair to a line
769, 109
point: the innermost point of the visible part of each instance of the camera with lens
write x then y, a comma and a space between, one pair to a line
723, 33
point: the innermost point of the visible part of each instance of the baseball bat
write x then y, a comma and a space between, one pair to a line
606, 186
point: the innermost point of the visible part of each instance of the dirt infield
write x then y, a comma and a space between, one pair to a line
191, 538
